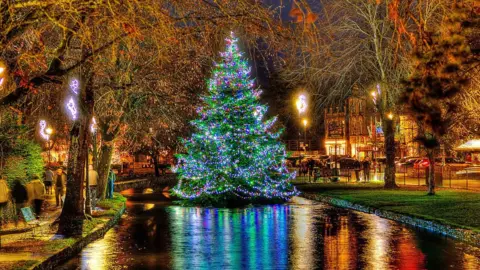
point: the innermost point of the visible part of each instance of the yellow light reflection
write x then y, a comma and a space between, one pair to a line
338, 245
148, 191
148, 206
378, 234
95, 257
303, 237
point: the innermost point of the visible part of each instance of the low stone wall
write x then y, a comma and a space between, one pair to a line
468, 236
71, 251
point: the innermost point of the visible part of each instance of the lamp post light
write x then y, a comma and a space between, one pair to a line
49, 132
301, 104
305, 122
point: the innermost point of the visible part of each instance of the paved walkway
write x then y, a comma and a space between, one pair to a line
25, 246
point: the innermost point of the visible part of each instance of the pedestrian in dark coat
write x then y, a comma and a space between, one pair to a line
366, 169
111, 181
357, 167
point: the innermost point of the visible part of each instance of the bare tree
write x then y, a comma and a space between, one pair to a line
359, 43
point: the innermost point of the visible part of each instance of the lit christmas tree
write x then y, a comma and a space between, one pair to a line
233, 156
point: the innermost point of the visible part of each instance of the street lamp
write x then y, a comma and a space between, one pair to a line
305, 122
390, 116
301, 104
49, 132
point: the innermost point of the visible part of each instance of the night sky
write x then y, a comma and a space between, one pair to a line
275, 93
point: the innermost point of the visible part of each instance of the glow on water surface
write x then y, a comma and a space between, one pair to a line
300, 235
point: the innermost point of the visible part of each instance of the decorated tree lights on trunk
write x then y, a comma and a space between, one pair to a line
234, 157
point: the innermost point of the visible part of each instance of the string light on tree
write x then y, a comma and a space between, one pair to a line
71, 104
74, 86
233, 154
93, 125
72, 108
2, 74
43, 130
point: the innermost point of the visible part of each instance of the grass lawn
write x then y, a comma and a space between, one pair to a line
453, 207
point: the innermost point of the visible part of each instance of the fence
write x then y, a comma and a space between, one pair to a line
448, 176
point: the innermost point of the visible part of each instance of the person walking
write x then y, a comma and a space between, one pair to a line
311, 165
36, 193
60, 183
20, 197
49, 180
111, 181
93, 182
366, 169
4, 197
357, 167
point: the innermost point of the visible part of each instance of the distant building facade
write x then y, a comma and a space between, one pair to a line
354, 129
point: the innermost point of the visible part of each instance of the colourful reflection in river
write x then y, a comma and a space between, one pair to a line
300, 235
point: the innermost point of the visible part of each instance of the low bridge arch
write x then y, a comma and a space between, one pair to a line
161, 183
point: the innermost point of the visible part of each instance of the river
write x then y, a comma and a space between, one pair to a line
299, 235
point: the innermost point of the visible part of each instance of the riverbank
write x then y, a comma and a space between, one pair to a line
453, 213
42, 249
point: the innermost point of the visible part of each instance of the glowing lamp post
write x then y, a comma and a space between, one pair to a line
305, 122
301, 104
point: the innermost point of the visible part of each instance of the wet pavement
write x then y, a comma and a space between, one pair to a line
299, 235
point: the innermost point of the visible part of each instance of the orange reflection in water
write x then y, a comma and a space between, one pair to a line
339, 244
410, 257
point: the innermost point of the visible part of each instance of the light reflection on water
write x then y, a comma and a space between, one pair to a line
293, 236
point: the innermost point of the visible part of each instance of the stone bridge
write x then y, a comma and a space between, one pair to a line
162, 183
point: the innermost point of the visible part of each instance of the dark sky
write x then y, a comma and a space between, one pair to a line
272, 93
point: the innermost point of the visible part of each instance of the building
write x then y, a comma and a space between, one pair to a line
354, 128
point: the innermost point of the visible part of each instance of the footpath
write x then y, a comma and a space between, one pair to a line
41, 248
453, 213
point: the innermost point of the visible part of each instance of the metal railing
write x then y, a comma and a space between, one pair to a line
448, 176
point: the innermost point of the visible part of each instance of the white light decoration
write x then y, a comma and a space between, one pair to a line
93, 125
71, 104
72, 108
301, 104
74, 86
43, 127
2, 69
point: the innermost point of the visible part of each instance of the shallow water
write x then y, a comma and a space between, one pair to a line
299, 235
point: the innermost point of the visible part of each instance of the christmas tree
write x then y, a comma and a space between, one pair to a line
235, 154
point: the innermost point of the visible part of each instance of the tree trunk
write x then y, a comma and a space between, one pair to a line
155, 165
104, 163
72, 216
73, 212
431, 172
389, 145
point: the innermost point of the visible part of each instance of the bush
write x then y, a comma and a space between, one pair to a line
15, 167
23, 161
32, 153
